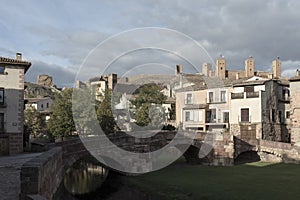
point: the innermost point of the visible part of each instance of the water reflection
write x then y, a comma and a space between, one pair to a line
84, 177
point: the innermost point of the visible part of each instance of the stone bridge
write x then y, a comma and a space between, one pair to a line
41, 176
269, 151
214, 151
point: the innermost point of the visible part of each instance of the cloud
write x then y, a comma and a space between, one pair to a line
63, 33
62, 76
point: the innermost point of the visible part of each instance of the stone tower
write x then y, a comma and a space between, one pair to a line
178, 69
206, 67
112, 81
221, 67
276, 67
249, 67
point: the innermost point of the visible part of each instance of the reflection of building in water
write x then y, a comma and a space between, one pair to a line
84, 177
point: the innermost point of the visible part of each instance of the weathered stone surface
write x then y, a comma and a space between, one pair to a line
45, 80
43, 174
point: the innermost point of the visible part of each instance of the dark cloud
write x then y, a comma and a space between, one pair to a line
69, 31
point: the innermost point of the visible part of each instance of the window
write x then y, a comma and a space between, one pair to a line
42, 105
47, 105
225, 117
280, 116
223, 96
273, 115
211, 116
287, 114
210, 97
1, 121
189, 99
245, 115
1, 95
2, 69
188, 116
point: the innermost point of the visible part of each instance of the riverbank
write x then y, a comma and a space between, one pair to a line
248, 181
257, 180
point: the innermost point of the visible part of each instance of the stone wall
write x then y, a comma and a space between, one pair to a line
295, 111
42, 175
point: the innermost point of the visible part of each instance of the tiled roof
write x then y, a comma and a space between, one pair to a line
11, 61
245, 83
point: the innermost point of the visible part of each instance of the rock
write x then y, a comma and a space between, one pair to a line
45, 80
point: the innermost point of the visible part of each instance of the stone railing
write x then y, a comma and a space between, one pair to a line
41, 176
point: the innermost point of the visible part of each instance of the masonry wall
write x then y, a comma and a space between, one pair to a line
42, 175
295, 112
274, 128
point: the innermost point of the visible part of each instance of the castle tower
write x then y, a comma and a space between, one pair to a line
206, 67
249, 67
221, 67
276, 66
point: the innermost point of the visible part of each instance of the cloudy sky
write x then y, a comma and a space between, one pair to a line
58, 36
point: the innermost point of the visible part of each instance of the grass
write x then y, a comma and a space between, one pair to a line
249, 181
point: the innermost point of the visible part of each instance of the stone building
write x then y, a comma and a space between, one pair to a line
259, 109
100, 84
12, 73
295, 109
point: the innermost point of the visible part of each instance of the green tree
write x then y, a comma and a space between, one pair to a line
147, 98
61, 121
34, 122
105, 114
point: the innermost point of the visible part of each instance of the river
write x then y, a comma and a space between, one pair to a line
87, 180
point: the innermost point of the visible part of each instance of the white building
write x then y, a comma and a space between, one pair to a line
12, 104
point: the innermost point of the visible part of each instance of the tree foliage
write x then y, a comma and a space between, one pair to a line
105, 114
148, 111
34, 122
61, 121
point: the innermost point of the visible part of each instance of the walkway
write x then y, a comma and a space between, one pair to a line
10, 167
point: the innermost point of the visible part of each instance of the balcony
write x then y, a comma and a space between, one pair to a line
216, 100
252, 94
237, 95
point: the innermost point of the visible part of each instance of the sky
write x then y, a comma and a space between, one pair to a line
64, 38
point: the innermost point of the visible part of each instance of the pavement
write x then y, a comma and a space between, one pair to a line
10, 168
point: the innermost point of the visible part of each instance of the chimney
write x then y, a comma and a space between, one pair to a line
19, 56
270, 76
297, 72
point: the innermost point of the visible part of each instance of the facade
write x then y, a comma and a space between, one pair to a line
249, 106
295, 109
42, 105
12, 73
190, 110
100, 84
217, 115
260, 109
